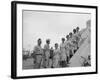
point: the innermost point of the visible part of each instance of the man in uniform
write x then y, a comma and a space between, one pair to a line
47, 53
38, 51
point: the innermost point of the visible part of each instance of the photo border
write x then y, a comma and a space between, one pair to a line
14, 38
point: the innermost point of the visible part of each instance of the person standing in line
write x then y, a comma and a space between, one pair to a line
51, 57
74, 41
77, 29
70, 36
38, 51
56, 57
67, 48
71, 53
47, 53
63, 53
78, 36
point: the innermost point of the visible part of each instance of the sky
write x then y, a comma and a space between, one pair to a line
49, 25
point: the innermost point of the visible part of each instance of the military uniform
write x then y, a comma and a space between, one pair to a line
63, 52
67, 50
47, 54
56, 58
63, 59
38, 52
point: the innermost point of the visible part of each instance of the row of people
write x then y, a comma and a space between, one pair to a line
59, 57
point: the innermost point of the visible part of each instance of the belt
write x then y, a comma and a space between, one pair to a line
38, 54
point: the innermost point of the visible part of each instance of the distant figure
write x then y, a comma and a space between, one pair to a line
77, 29
47, 53
70, 44
70, 35
51, 57
67, 48
74, 31
38, 51
67, 37
78, 34
74, 40
51, 53
63, 53
56, 57
77, 37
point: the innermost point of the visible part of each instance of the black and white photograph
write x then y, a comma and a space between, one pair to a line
54, 39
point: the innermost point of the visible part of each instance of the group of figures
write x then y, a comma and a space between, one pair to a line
60, 56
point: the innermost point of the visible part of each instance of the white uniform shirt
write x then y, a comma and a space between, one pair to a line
63, 51
38, 50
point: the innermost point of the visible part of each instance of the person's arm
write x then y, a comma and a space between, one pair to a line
60, 52
60, 46
35, 50
44, 48
34, 53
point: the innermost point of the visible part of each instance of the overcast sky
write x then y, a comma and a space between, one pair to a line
50, 25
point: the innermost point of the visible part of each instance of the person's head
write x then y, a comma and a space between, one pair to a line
48, 41
70, 34
74, 31
67, 37
77, 29
51, 48
56, 45
39, 41
63, 40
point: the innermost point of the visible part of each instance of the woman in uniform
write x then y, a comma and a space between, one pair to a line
70, 44
74, 40
63, 53
67, 48
56, 57
78, 36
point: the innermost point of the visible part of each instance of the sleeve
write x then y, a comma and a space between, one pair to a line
44, 48
34, 53
59, 52
60, 46
66, 45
